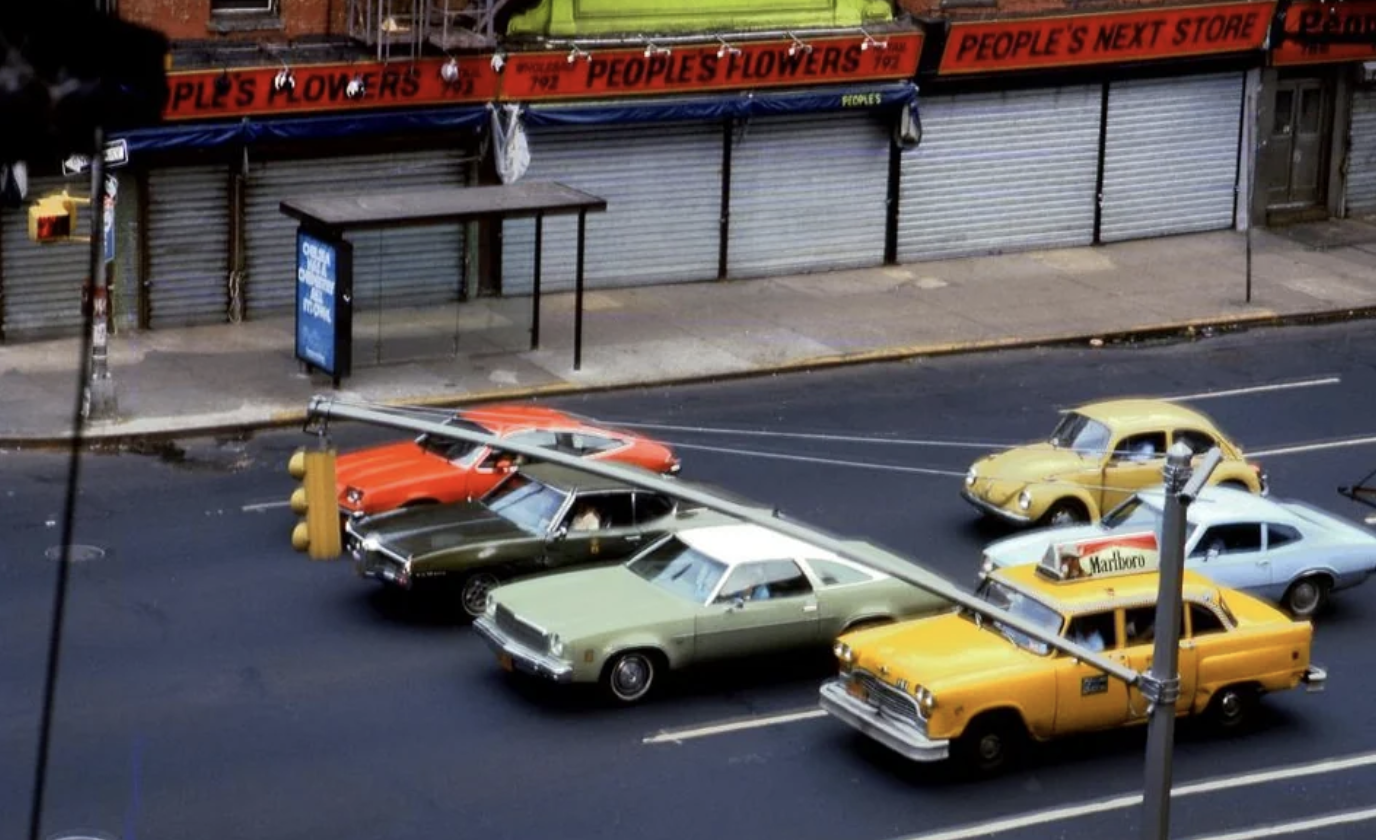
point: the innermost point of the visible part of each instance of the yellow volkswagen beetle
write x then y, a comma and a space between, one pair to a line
1098, 455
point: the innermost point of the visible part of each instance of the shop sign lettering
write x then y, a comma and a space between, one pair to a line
1096, 39
228, 93
698, 67
1317, 32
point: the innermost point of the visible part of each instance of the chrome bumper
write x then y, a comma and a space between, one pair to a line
522, 657
1314, 678
899, 737
994, 510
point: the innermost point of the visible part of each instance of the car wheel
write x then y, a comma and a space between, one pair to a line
867, 624
475, 590
1234, 484
1066, 512
1306, 596
990, 744
1231, 709
629, 676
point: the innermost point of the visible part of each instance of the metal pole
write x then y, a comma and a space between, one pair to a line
539, 257
578, 295
868, 554
99, 401
1161, 685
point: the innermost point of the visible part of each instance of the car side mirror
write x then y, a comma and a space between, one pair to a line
505, 465
737, 603
1211, 554
559, 533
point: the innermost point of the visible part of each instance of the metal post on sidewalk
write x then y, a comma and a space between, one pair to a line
1161, 686
99, 401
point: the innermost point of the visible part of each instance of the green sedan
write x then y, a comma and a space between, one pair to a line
713, 591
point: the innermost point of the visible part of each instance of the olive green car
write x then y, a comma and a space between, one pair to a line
535, 521
710, 591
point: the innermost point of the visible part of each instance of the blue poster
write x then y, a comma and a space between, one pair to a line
317, 275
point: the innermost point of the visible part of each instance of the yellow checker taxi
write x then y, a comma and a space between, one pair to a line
1096, 457
961, 686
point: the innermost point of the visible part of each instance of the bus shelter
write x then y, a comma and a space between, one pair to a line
324, 258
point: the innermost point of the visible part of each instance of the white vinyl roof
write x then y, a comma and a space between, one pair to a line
732, 544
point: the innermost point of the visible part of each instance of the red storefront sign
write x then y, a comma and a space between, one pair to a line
1109, 38
324, 87
703, 67
1308, 24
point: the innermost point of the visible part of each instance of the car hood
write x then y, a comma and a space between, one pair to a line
415, 532
1031, 547
999, 476
592, 602
939, 652
394, 463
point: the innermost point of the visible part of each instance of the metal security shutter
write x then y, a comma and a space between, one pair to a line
1361, 156
808, 194
188, 245
41, 284
1170, 156
1002, 171
401, 267
662, 184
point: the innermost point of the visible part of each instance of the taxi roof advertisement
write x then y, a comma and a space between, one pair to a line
1074, 40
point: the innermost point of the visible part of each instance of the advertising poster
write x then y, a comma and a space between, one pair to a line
322, 303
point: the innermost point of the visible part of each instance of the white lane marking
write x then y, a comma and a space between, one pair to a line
809, 459
1312, 447
675, 736
1256, 389
258, 507
830, 438
1117, 803
1295, 827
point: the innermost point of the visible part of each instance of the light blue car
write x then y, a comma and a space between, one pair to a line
1288, 552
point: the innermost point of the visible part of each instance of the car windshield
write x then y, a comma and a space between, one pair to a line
677, 567
529, 505
1137, 514
461, 452
1081, 434
1010, 600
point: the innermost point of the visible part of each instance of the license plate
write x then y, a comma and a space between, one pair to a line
504, 660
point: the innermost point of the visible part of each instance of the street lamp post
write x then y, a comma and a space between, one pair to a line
1161, 685
99, 400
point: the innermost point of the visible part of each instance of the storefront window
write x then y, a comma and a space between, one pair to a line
1311, 104
233, 6
1285, 111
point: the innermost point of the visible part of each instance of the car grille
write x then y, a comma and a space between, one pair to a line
889, 700
518, 630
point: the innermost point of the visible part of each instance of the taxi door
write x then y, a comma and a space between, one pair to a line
1139, 642
1135, 462
1086, 698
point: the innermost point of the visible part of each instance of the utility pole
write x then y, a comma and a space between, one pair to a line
1161, 686
99, 401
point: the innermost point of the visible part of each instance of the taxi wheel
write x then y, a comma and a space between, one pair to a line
629, 676
1232, 707
990, 743
475, 590
1306, 596
1066, 512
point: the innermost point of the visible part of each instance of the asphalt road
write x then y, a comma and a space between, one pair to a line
216, 684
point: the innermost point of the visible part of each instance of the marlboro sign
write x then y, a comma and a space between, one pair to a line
1103, 557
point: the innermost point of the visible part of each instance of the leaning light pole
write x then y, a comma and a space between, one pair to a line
1161, 685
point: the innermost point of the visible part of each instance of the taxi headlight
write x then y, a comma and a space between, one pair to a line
556, 644
353, 495
844, 653
970, 477
1025, 499
926, 701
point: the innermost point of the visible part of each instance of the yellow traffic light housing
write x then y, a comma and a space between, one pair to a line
318, 533
53, 218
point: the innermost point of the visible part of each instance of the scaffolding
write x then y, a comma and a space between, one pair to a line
403, 28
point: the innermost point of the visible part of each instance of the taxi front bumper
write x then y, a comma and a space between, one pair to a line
992, 509
902, 738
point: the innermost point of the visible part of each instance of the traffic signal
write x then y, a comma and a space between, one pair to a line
52, 218
318, 532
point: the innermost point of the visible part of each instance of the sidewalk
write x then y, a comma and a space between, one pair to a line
206, 379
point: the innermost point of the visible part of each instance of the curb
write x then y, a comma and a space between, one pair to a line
114, 439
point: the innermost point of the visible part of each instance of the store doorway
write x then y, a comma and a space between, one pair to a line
1293, 165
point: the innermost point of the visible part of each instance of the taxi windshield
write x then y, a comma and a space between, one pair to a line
1010, 600
1081, 434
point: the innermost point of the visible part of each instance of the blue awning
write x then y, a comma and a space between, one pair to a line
719, 105
249, 130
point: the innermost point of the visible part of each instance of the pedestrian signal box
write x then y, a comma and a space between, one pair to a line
318, 533
53, 218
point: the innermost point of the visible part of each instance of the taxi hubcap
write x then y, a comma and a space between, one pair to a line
990, 748
1232, 704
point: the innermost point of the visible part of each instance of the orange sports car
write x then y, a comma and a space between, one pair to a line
430, 470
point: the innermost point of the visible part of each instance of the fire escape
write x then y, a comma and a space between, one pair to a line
402, 29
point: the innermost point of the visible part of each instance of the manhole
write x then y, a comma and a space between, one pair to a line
76, 553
